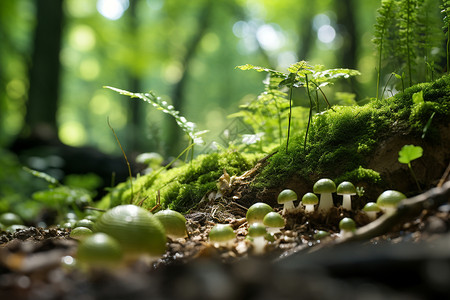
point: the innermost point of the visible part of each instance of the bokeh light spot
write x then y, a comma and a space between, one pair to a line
112, 9
72, 133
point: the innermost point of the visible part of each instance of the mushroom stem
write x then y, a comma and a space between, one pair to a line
347, 201
326, 202
309, 208
288, 207
259, 243
372, 215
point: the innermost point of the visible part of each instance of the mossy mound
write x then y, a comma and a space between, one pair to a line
355, 143
342, 141
180, 188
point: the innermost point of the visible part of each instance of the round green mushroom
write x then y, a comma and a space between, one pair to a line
80, 233
222, 235
347, 226
388, 200
273, 222
346, 189
371, 209
309, 200
257, 233
287, 198
257, 212
9, 218
325, 187
321, 234
100, 250
137, 230
174, 223
84, 223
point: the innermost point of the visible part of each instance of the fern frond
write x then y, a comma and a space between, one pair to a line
159, 104
383, 21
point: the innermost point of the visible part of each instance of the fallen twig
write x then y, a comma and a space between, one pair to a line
408, 208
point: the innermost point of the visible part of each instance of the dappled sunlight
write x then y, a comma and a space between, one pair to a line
112, 9
82, 38
72, 133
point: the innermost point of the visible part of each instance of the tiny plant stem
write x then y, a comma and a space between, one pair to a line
126, 159
280, 133
414, 176
384, 90
323, 94
310, 110
380, 51
408, 54
289, 119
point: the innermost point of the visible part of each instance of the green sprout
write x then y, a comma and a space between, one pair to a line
407, 154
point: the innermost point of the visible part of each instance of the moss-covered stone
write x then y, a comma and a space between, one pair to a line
342, 140
342, 143
182, 187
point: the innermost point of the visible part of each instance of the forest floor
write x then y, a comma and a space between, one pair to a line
408, 259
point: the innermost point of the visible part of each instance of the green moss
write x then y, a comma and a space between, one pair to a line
181, 187
360, 175
342, 139
340, 142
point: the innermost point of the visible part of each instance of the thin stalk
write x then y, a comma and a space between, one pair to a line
408, 56
126, 159
379, 63
384, 90
290, 114
323, 95
310, 110
414, 176
280, 133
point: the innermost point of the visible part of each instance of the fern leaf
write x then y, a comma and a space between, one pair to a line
187, 127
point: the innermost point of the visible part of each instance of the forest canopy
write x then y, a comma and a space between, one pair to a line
57, 55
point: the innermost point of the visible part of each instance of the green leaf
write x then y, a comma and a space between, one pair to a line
51, 180
409, 153
187, 127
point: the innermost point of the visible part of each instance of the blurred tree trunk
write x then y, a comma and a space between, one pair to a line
347, 57
173, 141
134, 133
307, 37
45, 70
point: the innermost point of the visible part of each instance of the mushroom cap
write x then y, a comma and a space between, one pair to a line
390, 198
320, 234
221, 233
99, 249
80, 233
324, 185
371, 206
347, 224
174, 223
137, 230
347, 188
273, 219
257, 212
84, 223
10, 218
286, 195
256, 230
310, 199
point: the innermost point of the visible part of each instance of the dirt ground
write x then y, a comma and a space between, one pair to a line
410, 260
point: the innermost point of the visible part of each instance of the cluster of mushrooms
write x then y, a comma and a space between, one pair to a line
264, 222
128, 232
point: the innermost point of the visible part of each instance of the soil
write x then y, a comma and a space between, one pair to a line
411, 260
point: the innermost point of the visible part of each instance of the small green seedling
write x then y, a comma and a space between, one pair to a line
407, 154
